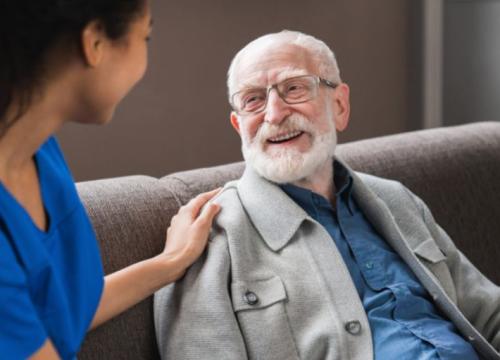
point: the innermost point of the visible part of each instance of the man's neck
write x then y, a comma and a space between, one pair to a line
320, 182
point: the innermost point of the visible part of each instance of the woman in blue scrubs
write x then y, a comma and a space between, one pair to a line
68, 61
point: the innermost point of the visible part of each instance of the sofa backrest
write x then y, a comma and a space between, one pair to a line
455, 170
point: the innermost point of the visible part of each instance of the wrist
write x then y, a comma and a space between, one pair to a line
171, 266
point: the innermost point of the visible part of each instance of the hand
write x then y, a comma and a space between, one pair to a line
187, 235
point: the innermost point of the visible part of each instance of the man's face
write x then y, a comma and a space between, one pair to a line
285, 142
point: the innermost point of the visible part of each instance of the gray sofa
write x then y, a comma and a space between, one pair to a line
455, 170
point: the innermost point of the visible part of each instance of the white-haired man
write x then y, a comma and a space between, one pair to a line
310, 260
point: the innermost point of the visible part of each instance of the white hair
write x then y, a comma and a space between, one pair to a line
318, 50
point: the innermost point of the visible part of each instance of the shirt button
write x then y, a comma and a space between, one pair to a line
353, 327
369, 265
250, 298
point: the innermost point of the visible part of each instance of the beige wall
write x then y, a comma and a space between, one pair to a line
178, 117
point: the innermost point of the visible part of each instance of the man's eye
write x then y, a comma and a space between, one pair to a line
296, 90
251, 100
295, 87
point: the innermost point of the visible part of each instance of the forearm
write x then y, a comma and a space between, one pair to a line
129, 286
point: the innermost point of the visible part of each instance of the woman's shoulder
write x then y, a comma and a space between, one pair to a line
51, 152
52, 149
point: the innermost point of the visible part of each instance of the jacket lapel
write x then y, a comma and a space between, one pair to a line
275, 216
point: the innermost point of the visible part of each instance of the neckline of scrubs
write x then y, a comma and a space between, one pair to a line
21, 208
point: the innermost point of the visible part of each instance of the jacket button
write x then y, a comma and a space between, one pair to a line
251, 298
353, 327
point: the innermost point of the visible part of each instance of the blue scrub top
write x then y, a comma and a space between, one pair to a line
50, 281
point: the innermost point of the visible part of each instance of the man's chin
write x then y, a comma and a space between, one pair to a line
277, 169
289, 166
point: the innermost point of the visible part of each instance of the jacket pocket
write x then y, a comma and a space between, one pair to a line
435, 260
260, 307
428, 250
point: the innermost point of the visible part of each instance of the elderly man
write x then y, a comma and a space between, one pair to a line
310, 260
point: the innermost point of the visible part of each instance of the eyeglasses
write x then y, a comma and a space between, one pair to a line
294, 90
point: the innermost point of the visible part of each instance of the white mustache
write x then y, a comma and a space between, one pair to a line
294, 122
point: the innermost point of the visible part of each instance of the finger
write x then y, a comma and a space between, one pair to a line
195, 204
173, 219
206, 217
209, 194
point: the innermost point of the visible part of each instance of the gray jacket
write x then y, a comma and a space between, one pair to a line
272, 284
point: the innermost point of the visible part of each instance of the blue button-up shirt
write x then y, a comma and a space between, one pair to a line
404, 322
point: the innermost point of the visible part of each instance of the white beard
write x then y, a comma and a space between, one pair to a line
289, 165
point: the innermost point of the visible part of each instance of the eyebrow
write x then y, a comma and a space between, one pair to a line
291, 72
283, 75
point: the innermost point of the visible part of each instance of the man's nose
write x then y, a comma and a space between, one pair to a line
276, 109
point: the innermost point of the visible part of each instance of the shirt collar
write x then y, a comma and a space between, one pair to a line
311, 201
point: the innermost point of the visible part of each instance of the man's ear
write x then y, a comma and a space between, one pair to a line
235, 122
342, 106
93, 39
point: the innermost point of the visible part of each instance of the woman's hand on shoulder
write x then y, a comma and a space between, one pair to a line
188, 233
187, 237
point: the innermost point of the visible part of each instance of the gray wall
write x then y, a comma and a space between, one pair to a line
178, 117
471, 64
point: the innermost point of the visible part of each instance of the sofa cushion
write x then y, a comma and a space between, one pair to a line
129, 215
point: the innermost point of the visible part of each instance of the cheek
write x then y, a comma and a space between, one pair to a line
133, 62
322, 118
249, 127
130, 74
142, 64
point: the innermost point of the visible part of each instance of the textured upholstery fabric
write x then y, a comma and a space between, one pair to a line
130, 216
455, 170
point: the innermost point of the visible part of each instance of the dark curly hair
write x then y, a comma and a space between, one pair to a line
30, 29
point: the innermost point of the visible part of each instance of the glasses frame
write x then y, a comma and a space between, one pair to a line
318, 81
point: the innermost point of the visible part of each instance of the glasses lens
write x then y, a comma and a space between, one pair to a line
292, 91
299, 89
250, 100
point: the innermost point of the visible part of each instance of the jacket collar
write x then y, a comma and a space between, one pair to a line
273, 213
381, 217
275, 216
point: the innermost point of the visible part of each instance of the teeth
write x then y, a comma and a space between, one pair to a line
285, 136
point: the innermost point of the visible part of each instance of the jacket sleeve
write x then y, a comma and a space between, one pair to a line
194, 318
478, 298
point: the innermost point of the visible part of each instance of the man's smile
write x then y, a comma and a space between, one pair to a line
285, 137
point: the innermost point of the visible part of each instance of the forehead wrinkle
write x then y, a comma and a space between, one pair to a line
268, 62
289, 72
